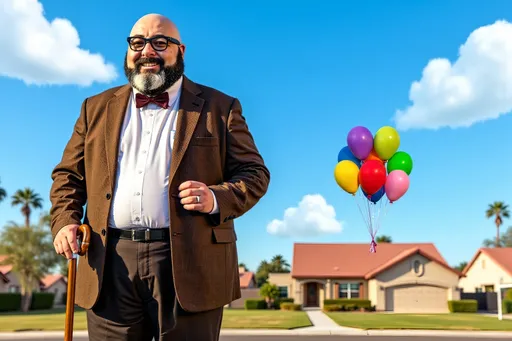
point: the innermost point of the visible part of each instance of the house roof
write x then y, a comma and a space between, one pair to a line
332, 260
49, 280
4, 269
245, 277
4, 278
502, 256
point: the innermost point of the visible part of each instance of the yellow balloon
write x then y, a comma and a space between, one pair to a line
386, 142
346, 174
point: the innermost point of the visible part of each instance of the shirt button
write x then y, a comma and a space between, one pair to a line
138, 193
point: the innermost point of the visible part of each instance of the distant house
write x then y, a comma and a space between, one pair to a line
487, 269
56, 284
247, 278
10, 282
398, 278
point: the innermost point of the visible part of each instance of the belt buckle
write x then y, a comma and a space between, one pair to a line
133, 236
147, 235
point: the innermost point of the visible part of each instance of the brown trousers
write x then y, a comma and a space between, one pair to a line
138, 302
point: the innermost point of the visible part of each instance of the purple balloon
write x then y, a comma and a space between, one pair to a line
360, 142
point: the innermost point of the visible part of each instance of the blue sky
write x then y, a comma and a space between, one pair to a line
305, 75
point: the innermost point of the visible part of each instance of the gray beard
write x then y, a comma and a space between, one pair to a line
153, 84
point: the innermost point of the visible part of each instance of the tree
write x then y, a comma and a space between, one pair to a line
383, 239
242, 265
28, 199
3, 194
505, 240
31, 254
270, 292
277, 264
497, 210
461, 266
60, 262
261, 275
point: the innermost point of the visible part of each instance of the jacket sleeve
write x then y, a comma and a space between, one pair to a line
247, 177
68, 192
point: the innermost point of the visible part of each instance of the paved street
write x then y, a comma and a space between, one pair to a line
319, 338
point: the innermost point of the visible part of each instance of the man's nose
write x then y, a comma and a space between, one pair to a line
148, 51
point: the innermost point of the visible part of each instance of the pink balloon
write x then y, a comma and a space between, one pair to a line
397, 184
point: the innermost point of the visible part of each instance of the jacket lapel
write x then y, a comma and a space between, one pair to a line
115, 113
189, 111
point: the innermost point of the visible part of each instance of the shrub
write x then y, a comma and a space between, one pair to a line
507, 306
10, 301
463, 306
349, 304
42, 300
290, 306
251, 304
279, 301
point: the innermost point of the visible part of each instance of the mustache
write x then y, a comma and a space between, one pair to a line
141, 61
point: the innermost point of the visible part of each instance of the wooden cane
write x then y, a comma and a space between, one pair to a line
84, 231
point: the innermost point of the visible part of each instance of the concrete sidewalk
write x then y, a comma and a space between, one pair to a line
297, 332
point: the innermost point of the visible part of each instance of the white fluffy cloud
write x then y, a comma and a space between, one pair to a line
312, 217
40, 52
475, 88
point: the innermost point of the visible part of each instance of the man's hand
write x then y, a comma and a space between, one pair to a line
191, 191
65, 241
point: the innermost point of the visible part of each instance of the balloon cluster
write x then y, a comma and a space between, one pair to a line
374, 164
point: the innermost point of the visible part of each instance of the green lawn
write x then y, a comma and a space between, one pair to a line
420, 321
233, 318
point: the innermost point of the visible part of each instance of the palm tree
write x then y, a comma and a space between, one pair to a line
3, 194
28, 199
279, 264
498, 210
383, 239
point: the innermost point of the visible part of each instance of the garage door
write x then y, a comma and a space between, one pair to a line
417, 299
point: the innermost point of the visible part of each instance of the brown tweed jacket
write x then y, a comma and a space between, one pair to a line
212, 145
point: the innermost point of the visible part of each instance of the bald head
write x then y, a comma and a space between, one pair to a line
153, 67
155, 24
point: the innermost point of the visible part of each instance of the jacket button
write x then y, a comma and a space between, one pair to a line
103, 232
108, 196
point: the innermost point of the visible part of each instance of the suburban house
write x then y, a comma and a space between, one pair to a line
398, 277
9, 282
247, 278
487, 269
56, 284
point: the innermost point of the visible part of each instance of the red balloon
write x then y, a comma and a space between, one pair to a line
372, 176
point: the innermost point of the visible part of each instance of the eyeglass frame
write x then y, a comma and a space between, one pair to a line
150, 41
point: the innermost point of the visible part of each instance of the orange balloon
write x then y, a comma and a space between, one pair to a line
373, 156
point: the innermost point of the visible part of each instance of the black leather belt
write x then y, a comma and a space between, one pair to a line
141, 235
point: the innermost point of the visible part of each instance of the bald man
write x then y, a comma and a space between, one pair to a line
164, 166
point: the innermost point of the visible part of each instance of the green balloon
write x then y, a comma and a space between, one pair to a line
400, 161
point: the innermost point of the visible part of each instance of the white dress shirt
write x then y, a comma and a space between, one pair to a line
141, 194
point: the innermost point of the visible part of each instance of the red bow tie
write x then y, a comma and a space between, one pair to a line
161, 100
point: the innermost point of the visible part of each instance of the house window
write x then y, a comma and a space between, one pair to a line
349, 290
283, 292
478, 289
417, 266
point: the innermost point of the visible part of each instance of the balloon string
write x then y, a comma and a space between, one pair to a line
379, 220
360, 210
